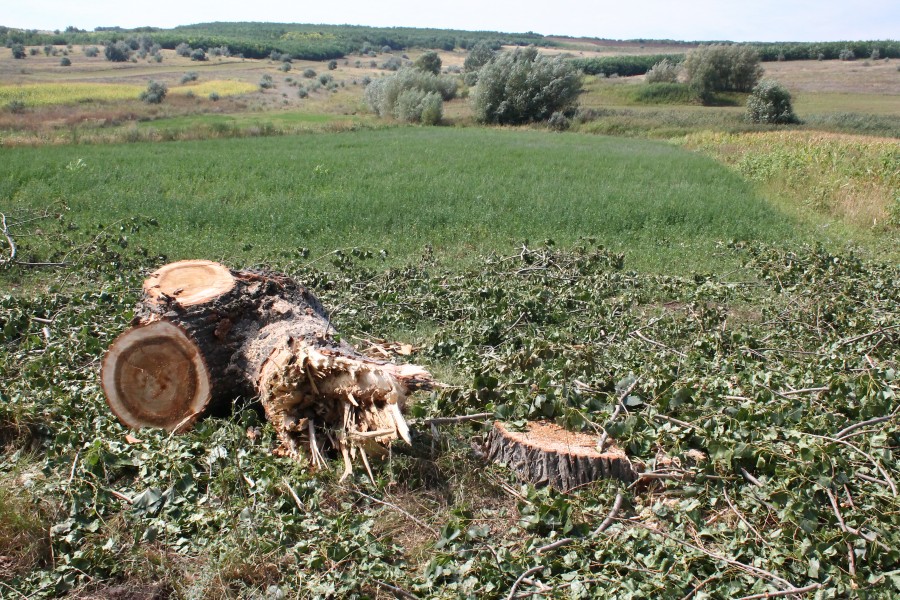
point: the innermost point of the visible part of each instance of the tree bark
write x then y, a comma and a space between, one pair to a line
547, 454
204, 335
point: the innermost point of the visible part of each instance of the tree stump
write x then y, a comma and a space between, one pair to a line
204, 335
547, 454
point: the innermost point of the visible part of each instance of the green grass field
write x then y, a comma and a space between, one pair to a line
461, 191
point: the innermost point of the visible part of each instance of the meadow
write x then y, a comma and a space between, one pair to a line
662, 271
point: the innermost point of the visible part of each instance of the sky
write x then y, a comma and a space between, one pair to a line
740, 21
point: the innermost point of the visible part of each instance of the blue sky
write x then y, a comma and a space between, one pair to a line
750, 20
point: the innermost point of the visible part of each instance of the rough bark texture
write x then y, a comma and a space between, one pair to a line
259, 335
547, 454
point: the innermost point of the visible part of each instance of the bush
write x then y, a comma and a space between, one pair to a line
325, 78
480, 55
558, 121
722, 68
522, 86
155, 92
198, 54
189, 77
429, 62
92, 51
876, 54
386, 49
302, 92
770, 102
847, 54
285, 67
157, 57
214, 96
309, 73
265, 82
118, 52
48, 50
410, 95
65, 62
663, 72
332, 65
392, 64
15, 106
183, 49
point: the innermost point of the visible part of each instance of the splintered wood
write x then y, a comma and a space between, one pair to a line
204, 335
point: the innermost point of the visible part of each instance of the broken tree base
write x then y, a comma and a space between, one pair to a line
547, 454
205, 335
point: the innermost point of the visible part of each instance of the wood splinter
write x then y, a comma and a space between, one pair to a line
204, 335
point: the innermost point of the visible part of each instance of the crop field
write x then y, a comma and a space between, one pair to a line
722, 299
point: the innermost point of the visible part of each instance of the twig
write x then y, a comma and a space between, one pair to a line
803, 391
871, 458
414, 519
659, 344
751, 478
697, 587
741, 517
804, 590
611, 517
9, 240
557, 544
744, 567
460, 419
847, 430
121, 496
847, 529
603, 438
873, 479
293, 494
866, 335
515, 586
675, 421
397, 590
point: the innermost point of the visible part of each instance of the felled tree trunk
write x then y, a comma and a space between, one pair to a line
204, 335
547, 454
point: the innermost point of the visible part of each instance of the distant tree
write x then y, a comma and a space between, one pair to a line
198, 54
183, 49
770, 102
118, 52
847, 54
722, 68
18, 50
155, 92
663, 72
523, 86
429, 62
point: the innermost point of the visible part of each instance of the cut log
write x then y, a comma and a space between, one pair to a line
204, 335
547, 454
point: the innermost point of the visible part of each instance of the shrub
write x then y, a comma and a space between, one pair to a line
429, 62
65, 62
876, 54
392, 64
155, 92
722, 68
157, 57
189, 77
118, 52
183, 49
48, 49
302, 92
309, 73
847, 54
386, 49
366, 80
479, 55
663, 72
522, 86
265, 82
33, 52
325, 78
92, 51
285, 67
770, 102
15, 106
410, 95
214, 96
558, 121
198, 54
332, 65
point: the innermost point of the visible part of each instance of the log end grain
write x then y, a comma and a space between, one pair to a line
189, 282
155, 376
